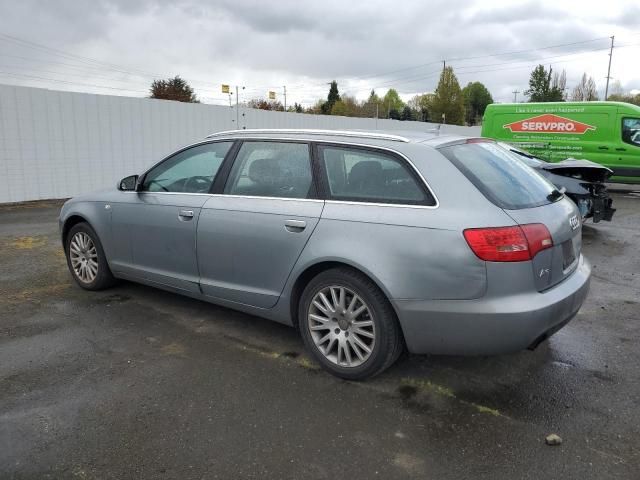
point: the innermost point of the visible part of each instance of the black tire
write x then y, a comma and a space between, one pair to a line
389, 343
103, 278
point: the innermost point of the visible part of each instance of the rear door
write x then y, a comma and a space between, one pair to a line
251, 234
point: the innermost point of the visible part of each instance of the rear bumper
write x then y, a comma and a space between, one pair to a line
488, 326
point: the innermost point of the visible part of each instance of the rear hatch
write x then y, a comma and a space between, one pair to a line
562, 219
528, 199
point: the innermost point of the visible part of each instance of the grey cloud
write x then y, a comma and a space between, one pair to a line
309, 43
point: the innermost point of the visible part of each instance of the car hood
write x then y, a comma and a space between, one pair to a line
579, 169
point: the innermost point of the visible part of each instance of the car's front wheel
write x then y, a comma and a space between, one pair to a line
86, 260
348, 324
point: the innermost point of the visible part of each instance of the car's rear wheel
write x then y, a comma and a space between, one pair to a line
348, 324
86, 260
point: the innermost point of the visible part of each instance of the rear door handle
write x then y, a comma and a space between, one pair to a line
621, 149
185, 214
295, 226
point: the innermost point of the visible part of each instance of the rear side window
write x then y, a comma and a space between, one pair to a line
502, 177
271, 169
369, 176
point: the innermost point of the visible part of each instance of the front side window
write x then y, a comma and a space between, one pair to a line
369, 176
189, 171
631, 131
271, 169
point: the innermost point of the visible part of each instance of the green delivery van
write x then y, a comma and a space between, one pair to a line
607, 133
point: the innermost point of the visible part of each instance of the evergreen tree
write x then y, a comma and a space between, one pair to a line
332, 98
541, 89
407, 113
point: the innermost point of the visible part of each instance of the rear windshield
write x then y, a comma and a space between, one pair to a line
500, 175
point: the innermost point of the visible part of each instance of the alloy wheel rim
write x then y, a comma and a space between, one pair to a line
341, 326
84, 257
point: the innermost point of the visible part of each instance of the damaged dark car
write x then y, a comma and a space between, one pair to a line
582, 181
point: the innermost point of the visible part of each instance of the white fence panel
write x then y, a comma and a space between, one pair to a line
60, 144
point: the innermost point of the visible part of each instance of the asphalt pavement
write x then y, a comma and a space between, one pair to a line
134, 382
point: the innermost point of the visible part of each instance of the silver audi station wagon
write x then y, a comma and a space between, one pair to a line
367, 243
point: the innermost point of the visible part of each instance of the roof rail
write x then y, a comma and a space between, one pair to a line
307, 131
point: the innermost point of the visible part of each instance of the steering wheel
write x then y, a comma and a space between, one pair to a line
199, 184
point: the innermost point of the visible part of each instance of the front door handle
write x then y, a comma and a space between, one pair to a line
602, 147
295, 226
185, 214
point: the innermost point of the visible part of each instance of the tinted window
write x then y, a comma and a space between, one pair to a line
190, 171
500, 175
364, 175
271, 169
631, 131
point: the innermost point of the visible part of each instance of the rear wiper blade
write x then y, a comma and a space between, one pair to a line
556, 194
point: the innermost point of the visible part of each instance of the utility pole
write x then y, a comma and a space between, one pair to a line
237, 110
606, 90
515, 96
285, 97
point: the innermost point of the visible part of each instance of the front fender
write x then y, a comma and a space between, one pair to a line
96, 213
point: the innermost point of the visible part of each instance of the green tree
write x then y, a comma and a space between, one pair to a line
541, 88
476, 98
422, 106
332, 97
448, 100
392, 101
625, 97
339, 108
372, 105
173, 89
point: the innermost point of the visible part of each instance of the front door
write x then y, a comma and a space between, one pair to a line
250, 236
155, 228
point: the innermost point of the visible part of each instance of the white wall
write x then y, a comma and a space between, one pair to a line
59, 144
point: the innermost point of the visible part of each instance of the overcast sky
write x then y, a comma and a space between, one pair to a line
263, 45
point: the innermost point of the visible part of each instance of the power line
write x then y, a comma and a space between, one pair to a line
458, 59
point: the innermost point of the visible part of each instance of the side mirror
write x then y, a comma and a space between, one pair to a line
128, 184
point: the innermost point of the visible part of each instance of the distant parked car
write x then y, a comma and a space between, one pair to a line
582, 180
366, 242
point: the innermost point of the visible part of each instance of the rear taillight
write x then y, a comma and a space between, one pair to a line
508, 244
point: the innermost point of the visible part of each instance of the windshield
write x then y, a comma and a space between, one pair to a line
500, 175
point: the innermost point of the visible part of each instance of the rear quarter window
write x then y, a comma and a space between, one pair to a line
502, 177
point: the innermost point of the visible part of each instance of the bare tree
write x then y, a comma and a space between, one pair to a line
559, 83
585, 91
